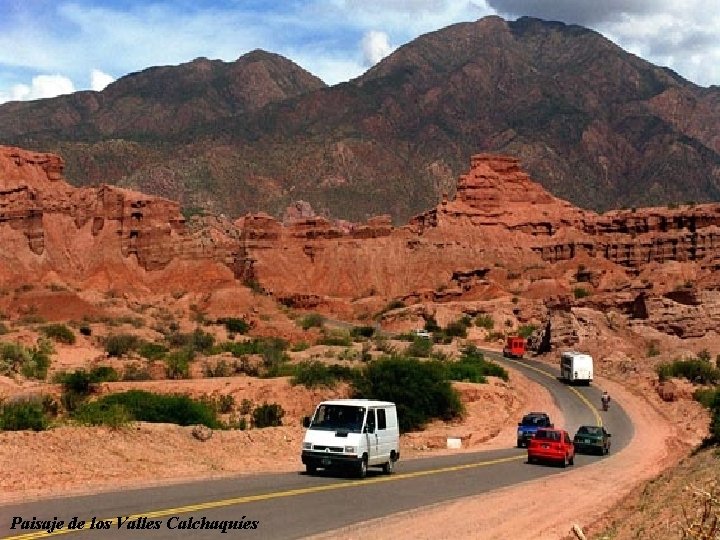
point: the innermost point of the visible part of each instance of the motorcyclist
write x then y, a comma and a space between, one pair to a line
605, 400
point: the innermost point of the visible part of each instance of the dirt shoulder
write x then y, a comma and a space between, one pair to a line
521, 512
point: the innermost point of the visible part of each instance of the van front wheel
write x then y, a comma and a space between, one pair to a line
362, 468
310, 468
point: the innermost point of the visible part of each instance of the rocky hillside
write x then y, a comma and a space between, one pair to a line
593, 123
502, 240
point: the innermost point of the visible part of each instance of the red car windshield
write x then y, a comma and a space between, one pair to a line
547, 435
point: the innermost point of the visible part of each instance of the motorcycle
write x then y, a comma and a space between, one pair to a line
605, 403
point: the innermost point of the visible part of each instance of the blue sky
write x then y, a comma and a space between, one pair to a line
51, 47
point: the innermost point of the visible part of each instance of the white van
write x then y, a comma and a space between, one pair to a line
576, 367
352, 433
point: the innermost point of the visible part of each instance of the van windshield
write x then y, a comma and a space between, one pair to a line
339, 417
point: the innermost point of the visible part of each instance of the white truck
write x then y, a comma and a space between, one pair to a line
352, 433
576, 367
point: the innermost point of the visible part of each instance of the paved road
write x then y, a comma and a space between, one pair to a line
293, 505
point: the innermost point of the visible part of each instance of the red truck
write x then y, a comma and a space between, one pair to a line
515, 347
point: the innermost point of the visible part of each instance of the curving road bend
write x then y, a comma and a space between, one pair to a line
295, 505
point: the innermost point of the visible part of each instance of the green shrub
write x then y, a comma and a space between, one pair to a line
580, 292
526, 330
421, 347
32, 362
441, 336
85, 329
473, 367
59, 332
235, 325
121, 344
362, 332
269, 347
268, 415
79, 384
456, 329
485, 321
152, 351
315, 374
710, 398
652, 349
23, 415
225, 402
312, 320
419, 388
495, 336
197, 341
431, 325
177, 363
300, 346
220, 369
694, 370
113, 415
246, 406
149, 407
335, 338
135, 372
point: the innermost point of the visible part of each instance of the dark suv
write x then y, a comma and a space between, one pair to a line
531, 422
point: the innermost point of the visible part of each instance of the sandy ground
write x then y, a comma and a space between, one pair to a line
521, 512
72, 460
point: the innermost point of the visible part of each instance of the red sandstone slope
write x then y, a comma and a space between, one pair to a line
502, 235
97, 237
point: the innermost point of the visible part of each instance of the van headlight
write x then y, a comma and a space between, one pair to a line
350, 450
307, 446
520, 432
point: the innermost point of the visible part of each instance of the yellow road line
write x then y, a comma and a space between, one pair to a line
277, 495
593, 409
314, 489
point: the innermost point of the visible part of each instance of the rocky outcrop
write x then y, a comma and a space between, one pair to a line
94, 225
501, 236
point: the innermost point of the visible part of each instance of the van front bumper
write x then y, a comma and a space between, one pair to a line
327, 459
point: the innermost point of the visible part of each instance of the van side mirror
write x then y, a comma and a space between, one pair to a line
306, 421
519, 423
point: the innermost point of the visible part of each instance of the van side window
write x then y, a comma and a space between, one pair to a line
371, 421
382, 423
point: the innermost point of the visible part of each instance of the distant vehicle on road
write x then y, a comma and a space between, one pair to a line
529, 425
514, 347
592, 440
352, 434
576, 367
422, 334
552, 445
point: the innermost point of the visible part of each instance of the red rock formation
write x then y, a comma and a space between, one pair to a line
502, 235
80, 233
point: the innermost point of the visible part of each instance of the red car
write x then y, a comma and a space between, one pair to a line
551, 445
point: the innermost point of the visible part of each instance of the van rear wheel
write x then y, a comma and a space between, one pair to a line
389, 466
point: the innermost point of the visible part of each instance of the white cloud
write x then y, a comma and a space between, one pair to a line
41, 86
99, 80
334, 39
375, 46
680, 34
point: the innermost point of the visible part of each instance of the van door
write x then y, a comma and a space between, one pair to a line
371, 437
384, 440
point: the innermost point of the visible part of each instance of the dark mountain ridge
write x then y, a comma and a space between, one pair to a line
593, 123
